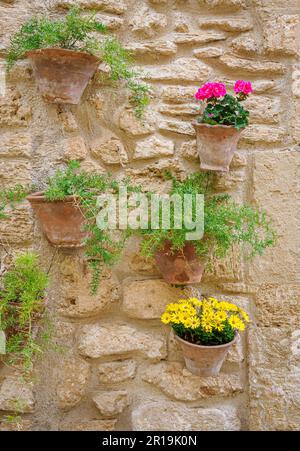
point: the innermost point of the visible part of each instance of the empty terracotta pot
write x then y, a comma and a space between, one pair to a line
204, 360
179, 267
62, 75
216, 145
62, 221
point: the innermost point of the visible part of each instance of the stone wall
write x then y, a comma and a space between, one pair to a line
120, 368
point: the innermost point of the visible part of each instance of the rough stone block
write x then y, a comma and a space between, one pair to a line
153, 147
147, 299
16, 395
170, 416
115, 372
111, 403
116, 339
73, 374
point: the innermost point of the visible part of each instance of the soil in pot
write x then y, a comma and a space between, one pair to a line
180, 267
204, 360
62, 221
62, 75
216, 145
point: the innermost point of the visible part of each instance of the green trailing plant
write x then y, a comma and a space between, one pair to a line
103, 247
22, 299
76, 31
226, 223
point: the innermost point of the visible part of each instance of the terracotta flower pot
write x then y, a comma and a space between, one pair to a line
62, 75
62, 221
204, 360
216, 145
179, 267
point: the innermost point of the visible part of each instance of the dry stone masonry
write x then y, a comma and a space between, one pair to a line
118, 367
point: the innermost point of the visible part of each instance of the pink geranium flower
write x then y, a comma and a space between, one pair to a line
209, 90
243, 86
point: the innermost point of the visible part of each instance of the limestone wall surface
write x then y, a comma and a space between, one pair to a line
120, 368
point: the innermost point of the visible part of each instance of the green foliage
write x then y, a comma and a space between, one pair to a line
102, 246
226, 223
11, 197
120, 61
75, 32
226, 111
200, 337
21, 303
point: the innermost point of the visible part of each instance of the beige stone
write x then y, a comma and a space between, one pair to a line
278, 305
182, 70
274, 379
110, 6
16, 395
177, 382
252, 66
147, 22
199, 38
263, 109
153, 147
75, 149
111, 151
117, 339
17, 227
181, 23
179, 110
72, 379
208, 52
280, 34
129, 123
262, 133
153, 48
92, 425
171, 416
189, 150
275, 189
13, 109
235, 25
68, 121
75, 300
180, 127
16, 145
147, 299
245, 44
178, 94
17, 424
232, 4
112, 403
15, 173
112, 23
115, 372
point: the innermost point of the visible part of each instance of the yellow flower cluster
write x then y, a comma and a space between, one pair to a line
207, 314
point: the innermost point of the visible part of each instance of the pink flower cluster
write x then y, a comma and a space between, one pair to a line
243, 86
216, 90
209, 90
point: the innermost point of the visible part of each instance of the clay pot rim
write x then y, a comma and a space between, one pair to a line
62, 52
39, 197
198, 124
193, 345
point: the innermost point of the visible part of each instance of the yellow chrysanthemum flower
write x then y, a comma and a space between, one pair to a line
221, 316
166, 318
236, 323
245, 316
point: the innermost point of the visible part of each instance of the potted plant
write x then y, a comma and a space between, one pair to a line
226, 223
205, 330
22, 302
67, 211
65, 54
219, 127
